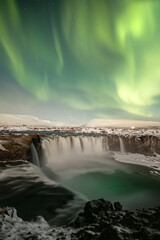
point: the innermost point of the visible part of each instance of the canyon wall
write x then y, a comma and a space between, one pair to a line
147, 145
18, 146
15, 147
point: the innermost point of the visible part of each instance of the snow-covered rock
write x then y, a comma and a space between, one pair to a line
127, 132
100, 220
14, 228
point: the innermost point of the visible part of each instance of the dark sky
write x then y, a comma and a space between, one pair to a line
74, 60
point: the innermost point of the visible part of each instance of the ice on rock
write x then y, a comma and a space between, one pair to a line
1, 146
13, 228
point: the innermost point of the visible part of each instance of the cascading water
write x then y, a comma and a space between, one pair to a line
84, 164
59, 145
34, 155
86, 144
122, 147
71, 153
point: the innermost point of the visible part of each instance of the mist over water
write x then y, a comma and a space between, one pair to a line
74, 169
94, 172
72, 155
32, 193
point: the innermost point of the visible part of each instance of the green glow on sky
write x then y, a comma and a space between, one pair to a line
87, 55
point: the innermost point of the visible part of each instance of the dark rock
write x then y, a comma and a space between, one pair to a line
11, 212
80, 221
131, 221
156, 236
96, 209
108, 206
98, 221
17, 146
111, 232
143, 234
117, 206
116, 224
97, 205
84, 234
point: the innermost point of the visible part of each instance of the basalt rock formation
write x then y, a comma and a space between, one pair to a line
101, 220
15, 147
147, 145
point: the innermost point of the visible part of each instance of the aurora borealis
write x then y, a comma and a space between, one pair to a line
74, 60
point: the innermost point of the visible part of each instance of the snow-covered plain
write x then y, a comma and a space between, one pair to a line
28, 120
121, 123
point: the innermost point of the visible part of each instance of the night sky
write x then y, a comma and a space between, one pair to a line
74, 60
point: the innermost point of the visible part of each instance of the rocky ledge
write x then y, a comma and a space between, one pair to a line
147, 145
100, 220
15, 147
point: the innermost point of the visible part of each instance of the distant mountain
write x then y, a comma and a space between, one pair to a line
19, 120
121, 123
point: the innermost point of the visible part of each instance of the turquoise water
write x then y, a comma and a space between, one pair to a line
130, 184
32, 191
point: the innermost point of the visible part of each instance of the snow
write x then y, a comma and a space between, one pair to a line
139, 159
121, 123
19, 120
128, 132
12, 227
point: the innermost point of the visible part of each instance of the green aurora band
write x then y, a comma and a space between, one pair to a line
90, 55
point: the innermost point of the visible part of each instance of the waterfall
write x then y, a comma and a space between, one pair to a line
122, 147
78, 144
72, 155
34, 155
